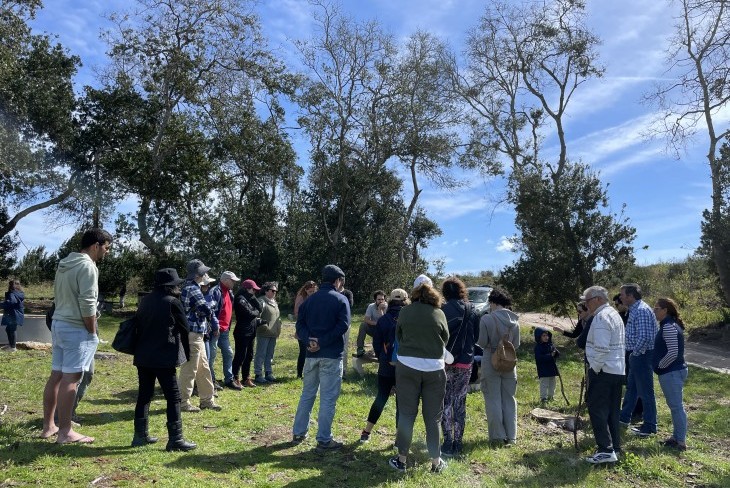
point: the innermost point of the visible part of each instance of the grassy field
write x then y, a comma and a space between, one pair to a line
248, 443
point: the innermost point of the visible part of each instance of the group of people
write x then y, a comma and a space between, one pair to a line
650, 341
424, 341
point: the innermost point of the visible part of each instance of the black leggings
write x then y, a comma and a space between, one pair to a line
300, 359
168, 383
385, 385
243, 355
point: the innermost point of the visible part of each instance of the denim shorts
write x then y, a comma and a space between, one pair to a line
73, 347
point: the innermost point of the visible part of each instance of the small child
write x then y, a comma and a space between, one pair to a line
547, 369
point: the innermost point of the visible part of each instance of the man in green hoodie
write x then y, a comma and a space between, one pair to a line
74, 332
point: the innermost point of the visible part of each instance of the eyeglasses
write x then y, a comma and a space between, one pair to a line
589, 299
273, 291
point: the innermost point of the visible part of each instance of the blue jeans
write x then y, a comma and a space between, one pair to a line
640, 384
325, 375
224, 343
264, 354
672, 384
211, 350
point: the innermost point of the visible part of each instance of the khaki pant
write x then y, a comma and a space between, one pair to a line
196, 370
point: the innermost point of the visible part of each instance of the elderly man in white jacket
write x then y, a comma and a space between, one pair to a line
605, 355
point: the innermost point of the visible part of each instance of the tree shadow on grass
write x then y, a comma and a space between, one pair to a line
119, 398
285, 460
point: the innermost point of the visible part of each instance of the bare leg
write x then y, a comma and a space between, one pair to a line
50, 396
66, 399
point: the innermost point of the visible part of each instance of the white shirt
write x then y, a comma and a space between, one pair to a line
605, 344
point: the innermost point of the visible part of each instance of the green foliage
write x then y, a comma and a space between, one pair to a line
8, 244
36, 266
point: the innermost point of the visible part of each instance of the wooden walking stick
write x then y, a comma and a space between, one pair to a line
577, 413
562, 389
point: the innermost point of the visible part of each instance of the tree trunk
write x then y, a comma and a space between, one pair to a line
10, 224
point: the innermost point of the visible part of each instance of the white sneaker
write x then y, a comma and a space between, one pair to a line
602, 457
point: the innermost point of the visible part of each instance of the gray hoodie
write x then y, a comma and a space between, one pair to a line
495, 324
76, 288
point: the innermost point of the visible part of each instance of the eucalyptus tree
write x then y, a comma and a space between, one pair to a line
37, 168
525, 63
695, 99
177, 55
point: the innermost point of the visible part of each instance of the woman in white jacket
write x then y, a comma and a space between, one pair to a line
499, 388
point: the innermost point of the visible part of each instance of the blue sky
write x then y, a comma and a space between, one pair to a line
664, 197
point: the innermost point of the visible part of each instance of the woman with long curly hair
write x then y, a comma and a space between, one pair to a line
422, 333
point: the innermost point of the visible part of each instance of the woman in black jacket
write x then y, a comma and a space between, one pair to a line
247, 309
463, 334
162, 345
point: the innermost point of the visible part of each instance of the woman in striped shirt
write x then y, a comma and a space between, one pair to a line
669, 364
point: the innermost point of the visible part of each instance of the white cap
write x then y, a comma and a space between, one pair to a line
207, 280
230, 275
422, 279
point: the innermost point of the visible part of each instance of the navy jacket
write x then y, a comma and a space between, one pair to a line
544, 358
13, 308
661, 348
383, 339
326, 316
463, 330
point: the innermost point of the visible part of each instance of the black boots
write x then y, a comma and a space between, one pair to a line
141, 434
176, 441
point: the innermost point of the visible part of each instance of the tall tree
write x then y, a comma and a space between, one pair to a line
37, 169
524, 65
177, 54
695, 100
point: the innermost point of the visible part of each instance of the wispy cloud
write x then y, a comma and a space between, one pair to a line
505, 245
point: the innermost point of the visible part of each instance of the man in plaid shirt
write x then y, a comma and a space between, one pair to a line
641, 329
200, 315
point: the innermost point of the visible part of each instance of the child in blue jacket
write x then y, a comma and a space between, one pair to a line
547, 369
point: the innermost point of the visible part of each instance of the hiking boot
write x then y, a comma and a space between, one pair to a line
602, 457
270, 378
364, 436
217, 386
396, 464
260, 380
673, 444
298, 439
189, 407
249, 384
330, 445
437, 468
211, 405
234, 384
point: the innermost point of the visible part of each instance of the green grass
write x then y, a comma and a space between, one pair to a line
247, 444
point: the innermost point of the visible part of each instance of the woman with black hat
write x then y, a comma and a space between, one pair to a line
162, 345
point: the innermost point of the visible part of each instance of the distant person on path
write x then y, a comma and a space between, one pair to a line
323, 323
74, 332
422, 334
463, 325
196, 370
383, 343
13, 312
605, 355
641, 329
499, 389
304, 292
222, 295
267, 334
248, 310
373, 312
670, 366
162, 345
545, 359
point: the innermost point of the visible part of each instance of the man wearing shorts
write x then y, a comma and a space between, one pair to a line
73, 332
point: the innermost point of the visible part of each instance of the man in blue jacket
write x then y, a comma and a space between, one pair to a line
323, 323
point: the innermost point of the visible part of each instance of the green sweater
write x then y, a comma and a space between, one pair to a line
422, 331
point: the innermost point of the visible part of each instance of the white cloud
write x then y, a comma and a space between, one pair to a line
505, 245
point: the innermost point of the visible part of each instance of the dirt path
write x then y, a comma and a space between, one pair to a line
697, 354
